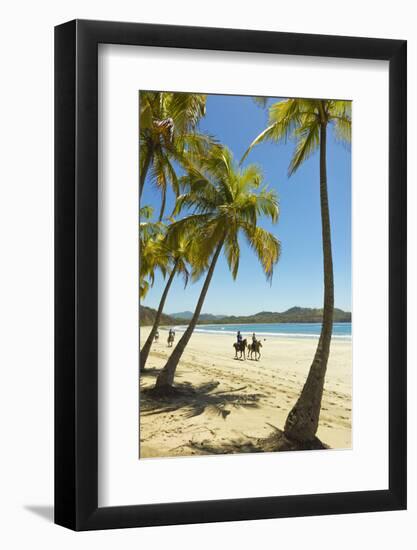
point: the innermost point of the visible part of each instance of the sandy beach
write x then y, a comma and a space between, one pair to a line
236, 402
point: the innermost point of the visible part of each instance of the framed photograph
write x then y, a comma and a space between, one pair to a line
230, 285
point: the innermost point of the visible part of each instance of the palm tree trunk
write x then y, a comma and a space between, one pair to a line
166, 376
163, 203
303, 420
144, 352
143, 174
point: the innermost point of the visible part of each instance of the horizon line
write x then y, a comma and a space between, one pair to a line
250, 314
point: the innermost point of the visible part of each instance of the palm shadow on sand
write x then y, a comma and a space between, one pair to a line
196, 400
150, 371
275, 442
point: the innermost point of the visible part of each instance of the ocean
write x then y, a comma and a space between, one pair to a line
294, 330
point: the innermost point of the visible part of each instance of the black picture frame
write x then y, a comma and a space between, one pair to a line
76, 272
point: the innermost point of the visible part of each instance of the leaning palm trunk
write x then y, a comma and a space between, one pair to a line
166, 376
302, 421
143, 174
144, 352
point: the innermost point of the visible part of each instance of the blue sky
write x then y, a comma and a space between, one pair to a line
298, 277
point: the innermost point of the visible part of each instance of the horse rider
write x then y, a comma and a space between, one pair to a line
254, 341
239, 337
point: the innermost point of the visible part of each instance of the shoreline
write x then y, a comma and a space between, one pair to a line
264, 335
201, 329
254, 323
232, 401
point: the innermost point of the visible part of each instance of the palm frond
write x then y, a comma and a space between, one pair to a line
144, 287
267, 204
250, 177
265, 245
146, 212
343, 130
340, 114
269, 134
145, 111
186, 110
193, 145
232, 253
261, 101
308, 140
285, 115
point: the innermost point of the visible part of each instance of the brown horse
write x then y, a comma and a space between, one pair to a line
240, 347
255, 348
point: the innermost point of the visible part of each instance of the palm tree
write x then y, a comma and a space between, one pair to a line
225, 201
307, 121
178, 259
168, 133
152, 255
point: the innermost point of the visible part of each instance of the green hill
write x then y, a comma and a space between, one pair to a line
186, 316
292, 315
147, 317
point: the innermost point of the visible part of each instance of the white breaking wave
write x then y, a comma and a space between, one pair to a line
222, 331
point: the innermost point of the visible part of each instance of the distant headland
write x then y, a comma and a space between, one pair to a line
292, 315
